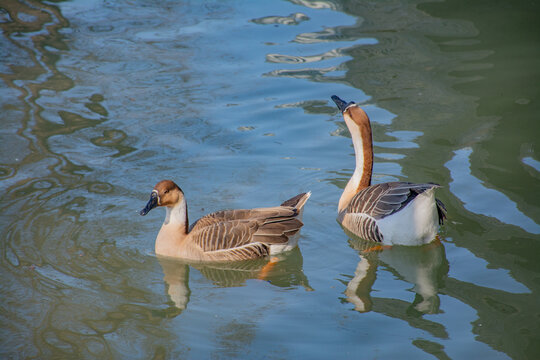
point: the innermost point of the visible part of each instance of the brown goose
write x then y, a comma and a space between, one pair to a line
226, 235
389, 213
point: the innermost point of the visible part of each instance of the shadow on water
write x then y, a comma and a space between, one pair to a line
286, 273
425, 267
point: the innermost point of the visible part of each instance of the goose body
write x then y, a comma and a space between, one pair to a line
227, 235
390, 213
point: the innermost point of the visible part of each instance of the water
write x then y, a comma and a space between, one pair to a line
100, 100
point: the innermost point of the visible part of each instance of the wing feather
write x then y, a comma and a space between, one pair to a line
274, 213
363, 225
222, 235
384, 199
247, 233
245, 252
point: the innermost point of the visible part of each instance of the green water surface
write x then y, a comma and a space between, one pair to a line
99, 100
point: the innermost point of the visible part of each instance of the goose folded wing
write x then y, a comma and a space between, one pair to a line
277, 232
385, 199
268, 214
224, 235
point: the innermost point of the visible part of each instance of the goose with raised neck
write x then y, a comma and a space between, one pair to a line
390, 213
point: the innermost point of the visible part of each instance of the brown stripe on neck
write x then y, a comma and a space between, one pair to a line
365, 181
362, 120
186, 225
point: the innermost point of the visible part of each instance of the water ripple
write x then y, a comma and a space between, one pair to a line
483, 200
313, 74
292, 19
332, 35
291, 59
316, 4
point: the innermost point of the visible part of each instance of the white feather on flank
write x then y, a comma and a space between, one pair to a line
415, 224
280, 248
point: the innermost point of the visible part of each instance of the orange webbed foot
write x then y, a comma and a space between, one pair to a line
267, 268
377, 248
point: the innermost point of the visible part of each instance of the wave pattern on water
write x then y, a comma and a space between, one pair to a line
293, 19
100, 100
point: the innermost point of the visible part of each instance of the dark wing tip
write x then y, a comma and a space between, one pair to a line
441, 211
292, 202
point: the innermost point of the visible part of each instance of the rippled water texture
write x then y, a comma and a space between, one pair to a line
231, 99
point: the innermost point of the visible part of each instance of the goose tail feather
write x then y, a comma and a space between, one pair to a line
441, 211
298, 201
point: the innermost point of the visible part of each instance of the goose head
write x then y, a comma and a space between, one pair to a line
352, 113
165, 193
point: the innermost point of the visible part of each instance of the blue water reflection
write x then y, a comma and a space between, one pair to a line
482, 200
423, 267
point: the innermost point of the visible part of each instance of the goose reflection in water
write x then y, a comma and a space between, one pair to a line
422, 266
287, 272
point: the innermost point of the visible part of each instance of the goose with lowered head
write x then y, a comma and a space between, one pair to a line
226, 235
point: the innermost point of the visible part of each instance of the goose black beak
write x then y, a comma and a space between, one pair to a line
152, 203
342, 105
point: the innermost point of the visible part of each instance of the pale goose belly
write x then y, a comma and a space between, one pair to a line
415, 224
276, 249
